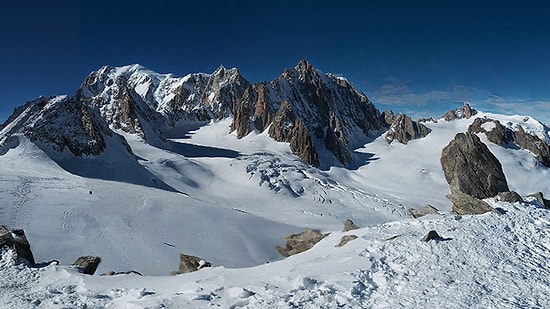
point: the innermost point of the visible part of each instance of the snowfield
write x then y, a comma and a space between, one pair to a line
487, 261
231, 201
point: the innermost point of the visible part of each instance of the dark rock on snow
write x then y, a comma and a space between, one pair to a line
349, 225
464, 112
540, 198
503, 136
345, 239
300, 242
431, 235
509, 197
464, 204
471, 168
420, 212
17, 241
190, 263
87, 264
403, 129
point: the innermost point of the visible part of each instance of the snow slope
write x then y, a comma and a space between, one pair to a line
486, 261
231, 201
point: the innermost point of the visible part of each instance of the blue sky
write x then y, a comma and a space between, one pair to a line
418, 57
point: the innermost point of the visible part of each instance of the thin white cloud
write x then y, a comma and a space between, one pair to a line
398, 94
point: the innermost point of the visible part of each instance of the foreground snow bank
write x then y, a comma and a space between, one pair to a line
486, 261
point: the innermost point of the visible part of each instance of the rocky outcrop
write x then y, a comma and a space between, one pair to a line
464, 204
345, 239
87, 264
495, 132
503, 136
509, 197
349, 225
533, 143
403, 129
420, 212
471, 168
61, 123
17, 241
297, 243
465, 112
190, 263
336, 141
540, 198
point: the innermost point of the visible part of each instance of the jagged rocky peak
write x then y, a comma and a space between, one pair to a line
321, 107
403, 128
465, 112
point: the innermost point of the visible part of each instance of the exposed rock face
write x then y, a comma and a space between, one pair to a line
61, 123
345, 239
501, 135
471, 168
464, 112
336, 141
297, 243
464, 204
420, 212
87, 264
388, 117
497, 133
403, 129
509, 197
287, 127
349, 225
533, 143
17, 241
190, 263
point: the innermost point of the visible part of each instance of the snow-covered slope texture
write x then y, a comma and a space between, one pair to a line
486, 261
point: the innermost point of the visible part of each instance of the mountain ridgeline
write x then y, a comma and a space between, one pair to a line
303, 106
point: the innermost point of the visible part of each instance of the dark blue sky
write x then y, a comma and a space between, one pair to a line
419, 57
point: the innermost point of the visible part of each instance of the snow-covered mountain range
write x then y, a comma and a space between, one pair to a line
138, 167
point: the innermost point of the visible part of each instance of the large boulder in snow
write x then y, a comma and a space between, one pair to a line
17, 241
403, 129
300, 242
464, 204
509, 197
190, 263
471, 168
87, 264
422, 211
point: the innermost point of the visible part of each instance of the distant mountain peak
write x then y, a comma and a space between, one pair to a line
326, 110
